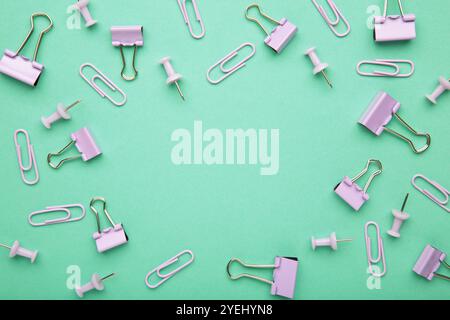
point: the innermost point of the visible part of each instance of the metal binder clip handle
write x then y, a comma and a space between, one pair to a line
31, 158
247, 16
388, 63
380, 250
51, 209
182, 5
442, 203
372, 176
332, 24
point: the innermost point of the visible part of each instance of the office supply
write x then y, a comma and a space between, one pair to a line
444, 85
228, 71
20, 67
330, 241
17, 250
172, 76
284, 275
378, 115
280, 36
32, 166
82, 7
84, 143
166, 264
318, 65
51, 209
198, 17
399, 217
444, 191
395, 27
333, 24
351, 192
95, 283
380, 249
128, 36
391, 63
60, 113
429, 262
110, 237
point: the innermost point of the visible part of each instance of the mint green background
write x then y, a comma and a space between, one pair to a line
221, 212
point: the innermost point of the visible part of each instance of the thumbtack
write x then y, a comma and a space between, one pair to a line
82, 6
172, 76
61, 112
444, 86
330, 241
95, 283
399, 217
16, 249
318, 65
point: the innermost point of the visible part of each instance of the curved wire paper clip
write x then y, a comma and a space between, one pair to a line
182, 5
228, 71
445, 192
63, 208
380, 255
169, 275
387, 63
31, 158
106, 81
333, 24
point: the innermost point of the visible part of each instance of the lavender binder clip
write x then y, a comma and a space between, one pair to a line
128, 36
379, 114
20, 67
394, 28
352, 193
83, 142
429, 262
284, 275
110, 237
280, 35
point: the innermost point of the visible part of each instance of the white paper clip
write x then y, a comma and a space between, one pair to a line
445, 192
333, 24
170, 274
387, 63
106, 81
51, 209
380, 256
31, 158
228, 71
198, 17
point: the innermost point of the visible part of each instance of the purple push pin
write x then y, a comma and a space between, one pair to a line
399, 218
82, 6
60, 113
17, 250
330, 241
429, 262
444, 85
394, 27
95, 283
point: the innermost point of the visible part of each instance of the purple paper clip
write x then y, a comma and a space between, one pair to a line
82, 7
429, 262
351, 192
20, 67
394, 28
198, 17
435, 185
333, 24
51, 209
128, 36
284, 275
379, 114
371, 261
280, 35
32, 166
394, 64
84, 143
110, 237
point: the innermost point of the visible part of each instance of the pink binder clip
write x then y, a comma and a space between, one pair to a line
32, 166
110, 237
280, 35
352, 193
20, 67
284, 275
128, 36
82, 6
394, 28
83, 142
429, 262
379, 114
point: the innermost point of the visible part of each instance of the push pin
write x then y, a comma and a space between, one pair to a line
172, 76
330, 241
16, 249
82, 6
444, 86
61, 112
318, 65
399, 217
95, 283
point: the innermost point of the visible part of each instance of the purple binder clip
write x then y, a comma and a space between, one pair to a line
284, 275
429, 262
394, 28
352, 193
20, 67
379, 114
280, 35
84, 143
128, 36
110, 237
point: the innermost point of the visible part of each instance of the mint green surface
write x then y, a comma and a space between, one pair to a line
221, 212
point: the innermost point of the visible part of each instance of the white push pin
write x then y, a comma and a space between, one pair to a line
172, 76
318, 65
95, 283
331, 241
82, 6
444, 86
61, 112
399, 217
16, 250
